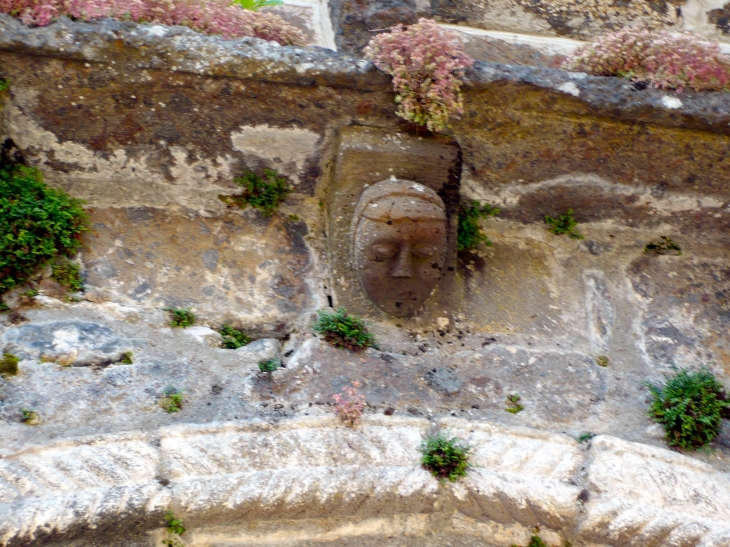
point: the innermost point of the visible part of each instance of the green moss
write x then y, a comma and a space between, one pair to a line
564, 224
665, 246
233, 338
514, 404
172, 401
583, 437
30, 293
690, 406
444, 456
602, 361
127, 358
4, 308
68, 274
344, 331
294, 218
29, 416
469, 234
3, 84
535, 541
264, 194
9, 365
270, 365
181, 317
38, 224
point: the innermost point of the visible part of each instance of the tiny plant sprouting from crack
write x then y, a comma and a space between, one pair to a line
127, 358
514, 404
181, 317
175, 529
564, 224
9, 365
445, 457
269, 365
29, 416
172, 400
344, 331
469, 234
233, 338
349, 404
602, 361
583, 437
264, 194
665, 246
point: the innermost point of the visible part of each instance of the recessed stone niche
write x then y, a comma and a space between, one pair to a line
392, 212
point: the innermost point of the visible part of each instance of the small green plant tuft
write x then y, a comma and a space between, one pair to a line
255, 5
469, 234
127, 358
664, 247
602, 361
174, 524
564, 224
172, 401
263, 194
3, 85
30, 293
68, 274
583, 437
690, 406
9, 365
535, 541
181, 317
38, 224
444, 456
294, 218
344, 331
269, 365
4, 308
29, 416
233, 338
514, 404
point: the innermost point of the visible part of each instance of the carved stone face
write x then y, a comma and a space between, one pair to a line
399, 244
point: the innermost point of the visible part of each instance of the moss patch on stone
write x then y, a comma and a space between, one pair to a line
9, 365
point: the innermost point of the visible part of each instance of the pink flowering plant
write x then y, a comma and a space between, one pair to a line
206, 16
349, 405
660, 58
427, 63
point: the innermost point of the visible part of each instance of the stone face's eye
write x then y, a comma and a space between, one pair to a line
424, 250
383, 251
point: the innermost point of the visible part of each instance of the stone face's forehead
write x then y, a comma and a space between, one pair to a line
395, 199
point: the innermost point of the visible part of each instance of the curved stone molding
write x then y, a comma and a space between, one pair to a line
317, 481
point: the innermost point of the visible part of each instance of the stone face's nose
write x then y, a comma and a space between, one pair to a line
403, 262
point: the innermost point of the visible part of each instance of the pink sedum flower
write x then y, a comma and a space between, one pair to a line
349, 405
207, 16
665, 60
427, 63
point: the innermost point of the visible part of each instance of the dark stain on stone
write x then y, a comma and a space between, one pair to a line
139, 214
720, 18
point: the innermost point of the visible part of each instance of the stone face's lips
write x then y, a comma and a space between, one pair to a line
223, 474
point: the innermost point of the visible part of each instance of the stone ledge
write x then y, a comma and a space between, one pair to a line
313, 468
136, 47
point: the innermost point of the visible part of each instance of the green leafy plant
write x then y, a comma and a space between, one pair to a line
469, 234
127, 358
535, 541
690, 406
67, 274
514, 404
3, 84
264, 194
9, 365
4, 308
38, 224
174, 524
269, 365
173, 399
30, 293
602, 361
665, 246
29, 416
233, 338
344, 331
583, 437
181, 317
444, 456
564, 224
